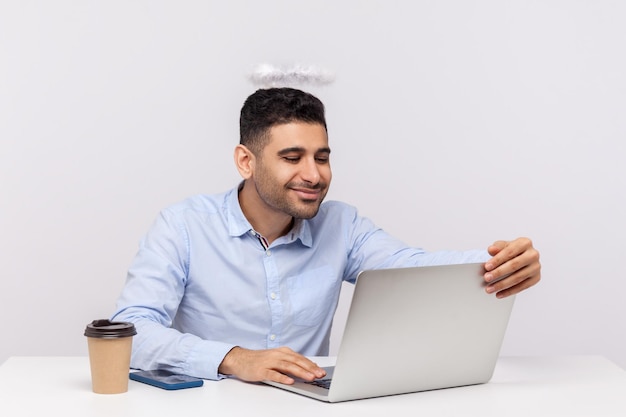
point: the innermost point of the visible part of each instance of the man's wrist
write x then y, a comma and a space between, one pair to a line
228, 363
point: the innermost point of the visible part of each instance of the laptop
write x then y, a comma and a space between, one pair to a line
414, 329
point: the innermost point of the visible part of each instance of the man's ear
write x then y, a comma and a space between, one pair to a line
244, 161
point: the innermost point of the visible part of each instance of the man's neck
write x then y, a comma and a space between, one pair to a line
269, 223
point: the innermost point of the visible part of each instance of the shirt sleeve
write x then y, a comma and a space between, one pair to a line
373, 248
154, 288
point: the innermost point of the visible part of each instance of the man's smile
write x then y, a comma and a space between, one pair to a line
308, 193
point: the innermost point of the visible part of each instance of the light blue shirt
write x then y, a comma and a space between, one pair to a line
203, 281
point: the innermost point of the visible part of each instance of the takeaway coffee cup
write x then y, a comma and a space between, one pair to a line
109, 345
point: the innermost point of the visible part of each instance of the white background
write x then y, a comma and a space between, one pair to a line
452, 124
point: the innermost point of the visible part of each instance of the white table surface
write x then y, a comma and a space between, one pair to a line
589, 386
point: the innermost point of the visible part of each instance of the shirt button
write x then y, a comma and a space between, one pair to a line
268, 252
273, 295
273, 337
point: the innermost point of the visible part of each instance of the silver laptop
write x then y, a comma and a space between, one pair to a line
414, 329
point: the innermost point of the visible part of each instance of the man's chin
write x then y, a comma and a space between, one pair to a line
308, 212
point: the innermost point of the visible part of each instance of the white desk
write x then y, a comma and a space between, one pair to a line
589, 386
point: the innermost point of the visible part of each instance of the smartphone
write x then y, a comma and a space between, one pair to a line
166, 379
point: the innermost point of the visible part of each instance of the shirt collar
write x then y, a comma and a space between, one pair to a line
301, 230
238, 225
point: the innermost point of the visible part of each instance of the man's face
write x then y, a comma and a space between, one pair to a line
292, 173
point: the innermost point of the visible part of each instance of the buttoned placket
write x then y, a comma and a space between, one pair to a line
273, 292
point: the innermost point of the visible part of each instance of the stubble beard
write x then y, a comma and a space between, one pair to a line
278, 198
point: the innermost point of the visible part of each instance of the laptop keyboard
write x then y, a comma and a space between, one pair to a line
322, 383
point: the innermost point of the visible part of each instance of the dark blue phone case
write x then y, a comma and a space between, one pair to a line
166, 379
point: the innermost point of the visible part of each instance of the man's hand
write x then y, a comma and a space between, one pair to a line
516, 258
271, 364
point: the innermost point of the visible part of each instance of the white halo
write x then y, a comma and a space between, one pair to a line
267, 75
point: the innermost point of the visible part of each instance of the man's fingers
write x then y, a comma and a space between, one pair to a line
514, 267
507, 251
496, 247
524, 278
514, 256
278, 377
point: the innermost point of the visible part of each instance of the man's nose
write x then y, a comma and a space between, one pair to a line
310, 171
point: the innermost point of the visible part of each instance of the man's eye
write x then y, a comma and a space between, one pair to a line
322, 160
291, 158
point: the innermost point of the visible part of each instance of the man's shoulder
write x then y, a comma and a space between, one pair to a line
199, 203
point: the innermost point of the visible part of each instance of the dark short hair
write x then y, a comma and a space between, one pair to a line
266, 108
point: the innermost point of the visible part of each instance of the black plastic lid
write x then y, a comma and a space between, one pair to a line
105, 329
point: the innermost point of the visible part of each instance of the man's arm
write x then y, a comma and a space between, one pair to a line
154, 288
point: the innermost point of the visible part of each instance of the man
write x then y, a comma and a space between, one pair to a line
246, 283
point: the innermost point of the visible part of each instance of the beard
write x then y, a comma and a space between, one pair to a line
282, 198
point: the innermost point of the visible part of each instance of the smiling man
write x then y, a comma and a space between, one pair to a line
246, 283
286, 179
